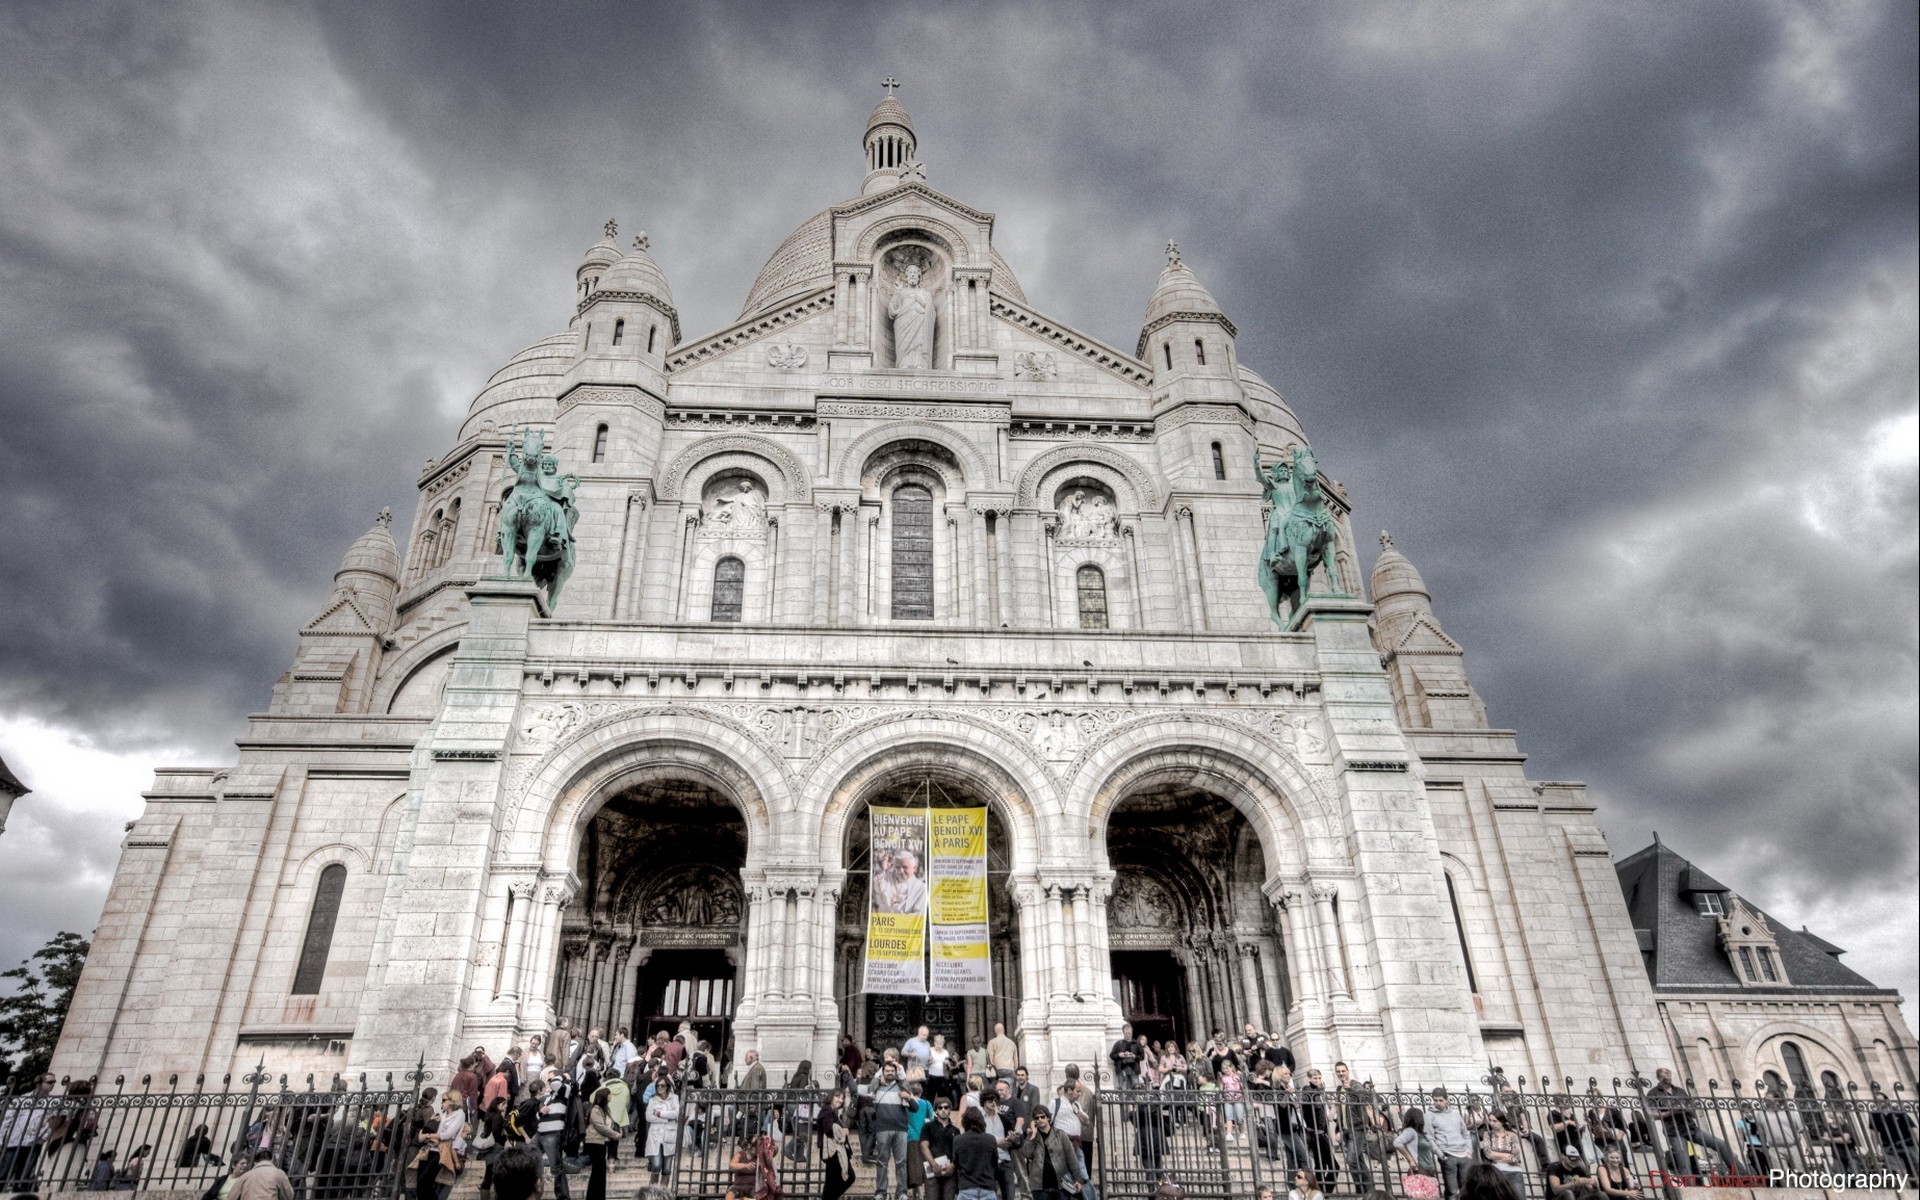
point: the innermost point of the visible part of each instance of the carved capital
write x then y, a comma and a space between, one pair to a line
1324, 892
523, 890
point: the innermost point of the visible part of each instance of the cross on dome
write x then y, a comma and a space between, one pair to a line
640, 243
889, 83
1173, 253
1386, 540
612, 227
385, 517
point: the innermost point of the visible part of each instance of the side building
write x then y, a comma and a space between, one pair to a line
1744, 997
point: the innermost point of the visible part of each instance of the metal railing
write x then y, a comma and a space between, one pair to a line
731, 1135
1218, 1145
344, 1139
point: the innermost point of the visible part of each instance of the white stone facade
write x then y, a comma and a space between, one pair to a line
450, 743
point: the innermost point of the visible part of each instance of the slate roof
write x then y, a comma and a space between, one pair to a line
9, 782
1682, 948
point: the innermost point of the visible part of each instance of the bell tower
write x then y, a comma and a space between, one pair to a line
889, 143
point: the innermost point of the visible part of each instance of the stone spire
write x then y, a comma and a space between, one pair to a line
599, 256
1425, 667
889, 144
1179, 298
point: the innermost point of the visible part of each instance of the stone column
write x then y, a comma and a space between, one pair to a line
1189, 958
536, 1007
823, 564
1323, 894
1276, 1006
1059, 985
1080, 924
519, 904
620, 1011
1250, 984
1305, 958
982, 592
1003, 555
774, 569
849, 577
633, 539
1130, 540
1187, 547
690, 524
1048, 525
870, 564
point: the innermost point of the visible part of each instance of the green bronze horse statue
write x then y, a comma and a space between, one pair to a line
537, 519
1301, 533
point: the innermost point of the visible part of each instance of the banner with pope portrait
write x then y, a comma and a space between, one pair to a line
897, 902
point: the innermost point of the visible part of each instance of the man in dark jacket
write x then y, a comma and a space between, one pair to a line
976, 1159
1050, 1168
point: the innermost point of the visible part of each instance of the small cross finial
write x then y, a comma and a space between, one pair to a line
1173, 253
889, 83
1386, 540
385, 517
640, 243
612, 227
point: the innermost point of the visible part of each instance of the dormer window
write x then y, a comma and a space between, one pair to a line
1708, 904
1767, 971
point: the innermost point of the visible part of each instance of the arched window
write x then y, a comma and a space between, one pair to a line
651, 330
1796, 1064
912, 553
1830, 1084
1775, 1085
1460, 931
1091, 584
729, 588
1200, 352
600, 444
619, 330
1219, 462
320, 921
1166, 348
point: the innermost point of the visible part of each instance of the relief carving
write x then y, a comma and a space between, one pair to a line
786, 356
1035, 364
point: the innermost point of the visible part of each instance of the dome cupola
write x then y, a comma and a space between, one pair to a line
889, 143
370, 571
599, 256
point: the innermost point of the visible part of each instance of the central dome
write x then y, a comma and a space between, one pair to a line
804, 262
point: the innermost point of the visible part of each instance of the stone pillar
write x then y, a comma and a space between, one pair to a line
1276, 1005
1047, 527
1305, 958
1003, 556
623, 979
1189, 960
870, 565
1187, 551
848, 582
543, 945
823, 564
1250, 984
1323, 894
1059, 985
520, 905
633, 550
982, 592
1130, 540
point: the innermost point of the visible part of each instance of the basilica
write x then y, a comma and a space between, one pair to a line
894, 537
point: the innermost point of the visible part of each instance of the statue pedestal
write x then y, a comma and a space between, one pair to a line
1322, 608
507, 589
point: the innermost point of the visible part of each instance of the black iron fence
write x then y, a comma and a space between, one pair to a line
342, 1139
739, 1141
1647, 1137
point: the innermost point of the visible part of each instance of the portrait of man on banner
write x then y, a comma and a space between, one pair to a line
897, 883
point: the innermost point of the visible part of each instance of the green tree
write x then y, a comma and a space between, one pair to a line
31, 1017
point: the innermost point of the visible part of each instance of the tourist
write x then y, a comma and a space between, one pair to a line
624, 1052
866, 1082
619, 1111
1568, 1174
101, 1180
23, 1135
936, 1151
555, 1099
523, 1124
663, 1131
976, 1156
1501, 1146
1050, 1167
1233, 1100
1003, 1140
534, 1064
1616, 1178
1360, 1123
516, 1173
1024, 1089
600, 1131
224, 1187
917, 1119
197, 1149
1086, 1110
489, 1138
1014, 1109
940, 1063
1070, 1119
1673, 1106
468, 1082
1451, 1141
1420, 1170
753, 1078
499, 1085
263, 1180
893, 1107
836, 1146
1003, 1054
1486, 1181
1316, 1127
978, 1062
744, 1169
1306, 1186
441, 1144
687, 1038
915, 1055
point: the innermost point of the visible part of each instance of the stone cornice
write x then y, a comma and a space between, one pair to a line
856, 207
1101, 355
1159, 323
663, 304
741, 333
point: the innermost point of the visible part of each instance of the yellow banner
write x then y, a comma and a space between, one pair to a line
897, 902
957, 867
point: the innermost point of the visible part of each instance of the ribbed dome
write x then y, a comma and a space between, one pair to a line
603, 253
374, 552
637, 272
1395, 575
889, 112
1179, 291
804, 261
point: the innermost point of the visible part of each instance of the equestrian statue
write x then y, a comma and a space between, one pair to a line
537, 520
1300, 533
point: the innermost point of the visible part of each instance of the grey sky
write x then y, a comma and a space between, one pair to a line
1607, 311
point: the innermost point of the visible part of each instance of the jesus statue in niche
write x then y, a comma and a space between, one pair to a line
911, 309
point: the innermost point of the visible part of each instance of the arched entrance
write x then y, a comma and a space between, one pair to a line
656, 932
881, 1021
1195, 947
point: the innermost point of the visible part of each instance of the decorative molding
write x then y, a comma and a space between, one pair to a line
792, 313
1035, 364
622, 296
446, 478
467, 755
1159, 323
1145, 494
1187, 414
1117, 362
794, 477
740, 416
786, 356
631, 397
910, 411
1081, 431
917, 382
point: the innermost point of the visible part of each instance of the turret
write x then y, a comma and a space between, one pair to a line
889, 144
1188, 341
370, 571
612, 397
1426, 668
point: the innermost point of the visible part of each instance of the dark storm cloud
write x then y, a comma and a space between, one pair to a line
1607, 310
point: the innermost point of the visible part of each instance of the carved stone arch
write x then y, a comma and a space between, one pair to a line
603, 757
853, 460
354, 858
399, 669
1795, 1031
982, 754
1457, 867
958, 248
786, 480
1253, 775
1133, 487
